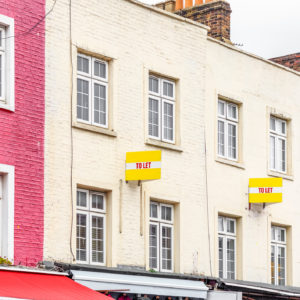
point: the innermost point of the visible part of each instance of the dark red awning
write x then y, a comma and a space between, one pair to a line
37, 286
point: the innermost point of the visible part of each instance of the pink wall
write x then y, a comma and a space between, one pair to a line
22, 131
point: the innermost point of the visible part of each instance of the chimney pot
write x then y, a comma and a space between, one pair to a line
213, 13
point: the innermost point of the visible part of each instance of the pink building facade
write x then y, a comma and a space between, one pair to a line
22, 130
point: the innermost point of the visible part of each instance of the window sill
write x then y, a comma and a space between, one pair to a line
95, 129
280, 175
164, 145
230, 162
3, 105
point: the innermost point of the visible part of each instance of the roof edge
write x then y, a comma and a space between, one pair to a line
168, 14
252, 55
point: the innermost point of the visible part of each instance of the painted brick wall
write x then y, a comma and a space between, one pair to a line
22, 131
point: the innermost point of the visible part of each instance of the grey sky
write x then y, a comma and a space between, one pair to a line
268, 28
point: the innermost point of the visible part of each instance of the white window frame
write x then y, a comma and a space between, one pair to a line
92, 78
159, 222
7, 173
278, 244
225, 235
90, 212
7, 99
228, 120
277, 135
151, 97
161, 225
161, 98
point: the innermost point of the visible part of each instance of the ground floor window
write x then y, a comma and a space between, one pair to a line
90, 227
227, 247
161, 250
278, 255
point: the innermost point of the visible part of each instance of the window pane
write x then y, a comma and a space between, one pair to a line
83, 64
99, 104
153, 122
153, 85
232, 111
97, 201
81, 199
281, 265
230, 258
282, 127
153, 242
282, 154
83, 99
221, 108
166, 213
273, 233
221, 255
153, 210
97, 237
168, 89
221, 224
272, 153
272, 124
230, 226
166, 248
81, 237
99, 69
273, 264
232, 141
282, 235
221, 138
168, 116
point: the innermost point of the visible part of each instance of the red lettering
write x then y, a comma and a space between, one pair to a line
261, 190
144, 165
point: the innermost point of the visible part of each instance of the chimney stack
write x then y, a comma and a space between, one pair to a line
213, 13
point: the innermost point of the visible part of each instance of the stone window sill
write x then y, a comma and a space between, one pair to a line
164, 145
95, 129
230, 163
280, 175
6, 106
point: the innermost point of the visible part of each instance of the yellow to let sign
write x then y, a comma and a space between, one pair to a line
143, 165
265, 190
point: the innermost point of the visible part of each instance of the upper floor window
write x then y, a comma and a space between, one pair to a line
161, 237
7, 63
228, 130
278, 255
227, 247
92, 90
278, 144
161, 109
90, 227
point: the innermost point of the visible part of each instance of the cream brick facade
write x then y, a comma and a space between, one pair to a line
138, 40
261, 89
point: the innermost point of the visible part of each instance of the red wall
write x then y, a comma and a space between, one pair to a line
22, 131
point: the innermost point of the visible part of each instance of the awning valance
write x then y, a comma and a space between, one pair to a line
151, 285
38, 286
